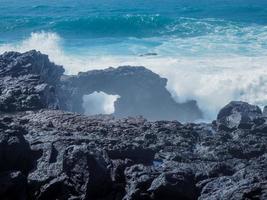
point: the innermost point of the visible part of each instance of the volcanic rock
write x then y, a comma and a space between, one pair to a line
141, 92
13, 185
28, 81
49, 154
238, 114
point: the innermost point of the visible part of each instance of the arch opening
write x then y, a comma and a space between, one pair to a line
99, 103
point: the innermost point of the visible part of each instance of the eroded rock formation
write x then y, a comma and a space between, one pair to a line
141, 92
51, 154
30, 81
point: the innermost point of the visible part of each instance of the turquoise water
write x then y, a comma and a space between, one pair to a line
113, 21
213, 51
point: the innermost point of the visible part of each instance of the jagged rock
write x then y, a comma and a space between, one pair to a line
139, 179
174, 185
238, 114
68, 169
103, 158
232, 189
15, 152
136, 153
28, 81
52, 154
141, 92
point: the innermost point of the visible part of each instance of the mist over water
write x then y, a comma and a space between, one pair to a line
211, 52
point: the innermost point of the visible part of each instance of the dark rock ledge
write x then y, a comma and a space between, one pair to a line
48, 154
30, 81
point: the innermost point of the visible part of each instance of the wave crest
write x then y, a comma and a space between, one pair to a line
120, 25
211, 80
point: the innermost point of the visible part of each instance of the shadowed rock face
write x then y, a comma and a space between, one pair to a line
30, 81
51, 154
141, 92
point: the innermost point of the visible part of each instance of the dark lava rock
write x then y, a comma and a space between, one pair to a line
48, 154
174, 185
13, 186
121, 159
28, 81
238, 114
141, 92
15, 152
67, 168
247, 183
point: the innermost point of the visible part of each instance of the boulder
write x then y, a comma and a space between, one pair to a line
238, 114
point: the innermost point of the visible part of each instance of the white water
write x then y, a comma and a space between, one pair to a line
212, 69
99, 103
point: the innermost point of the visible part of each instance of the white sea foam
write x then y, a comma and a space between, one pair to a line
212, 69
99, 103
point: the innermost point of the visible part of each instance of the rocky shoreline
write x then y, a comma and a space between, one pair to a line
30, 81
47, 152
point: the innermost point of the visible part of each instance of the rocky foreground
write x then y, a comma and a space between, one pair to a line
49, 154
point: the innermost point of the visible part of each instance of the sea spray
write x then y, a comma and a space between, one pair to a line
210, 52
211, 80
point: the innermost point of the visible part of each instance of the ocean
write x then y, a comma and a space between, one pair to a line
213, 51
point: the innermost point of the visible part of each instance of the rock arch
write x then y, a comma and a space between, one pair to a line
141, 92
29, 81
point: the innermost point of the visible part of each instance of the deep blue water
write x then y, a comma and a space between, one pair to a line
210, 50
121, 18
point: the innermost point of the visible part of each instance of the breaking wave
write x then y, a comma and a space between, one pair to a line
213, 69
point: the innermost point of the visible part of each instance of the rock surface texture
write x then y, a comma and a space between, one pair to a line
28, 81
141, 92
48, 154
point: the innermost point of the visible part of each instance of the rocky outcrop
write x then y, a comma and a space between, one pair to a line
48, 154
28, 81
141, 92
71, 156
